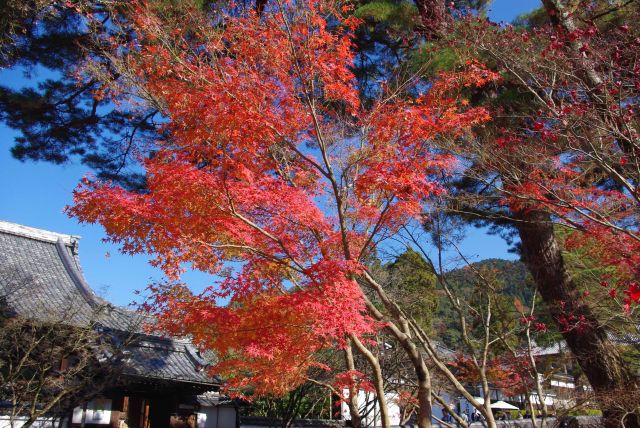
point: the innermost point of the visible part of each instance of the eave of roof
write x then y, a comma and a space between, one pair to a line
57, 288
37, 234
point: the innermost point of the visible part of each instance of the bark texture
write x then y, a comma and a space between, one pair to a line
598, 357
354, 411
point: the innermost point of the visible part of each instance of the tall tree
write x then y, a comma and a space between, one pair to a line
414, 286
557, 152
562, 149
56, 119
275, 171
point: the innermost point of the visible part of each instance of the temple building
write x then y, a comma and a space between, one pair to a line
159, 382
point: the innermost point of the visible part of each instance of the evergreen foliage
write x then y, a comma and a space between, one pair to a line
416, 285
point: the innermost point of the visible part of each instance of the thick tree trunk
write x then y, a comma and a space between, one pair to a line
599, 359
424, 398
424, 414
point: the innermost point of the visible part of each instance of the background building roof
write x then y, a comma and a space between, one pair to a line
41, 279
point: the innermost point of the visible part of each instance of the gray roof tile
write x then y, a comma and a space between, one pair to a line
40, 278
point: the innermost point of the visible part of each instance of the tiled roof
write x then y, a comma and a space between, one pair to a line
165, 358
625, 338
213, 399
40, 278
561, 347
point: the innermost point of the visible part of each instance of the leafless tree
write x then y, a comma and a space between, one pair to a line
51, 364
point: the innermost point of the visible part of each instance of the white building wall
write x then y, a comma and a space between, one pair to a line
5, 422
370, 409
217, 417
369, 406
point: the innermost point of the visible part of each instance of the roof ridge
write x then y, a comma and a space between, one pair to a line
37, 234
173, 341
77, 278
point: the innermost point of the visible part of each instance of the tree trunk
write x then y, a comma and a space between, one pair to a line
378, 382
423, 376
356, 421
599, 359
402, 334
424, 398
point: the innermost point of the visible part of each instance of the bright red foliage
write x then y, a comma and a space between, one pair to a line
274, 172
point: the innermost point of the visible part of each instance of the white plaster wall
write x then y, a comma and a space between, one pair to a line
216, 417
370, 408
42, 423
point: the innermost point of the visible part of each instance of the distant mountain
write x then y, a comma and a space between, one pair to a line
511, 276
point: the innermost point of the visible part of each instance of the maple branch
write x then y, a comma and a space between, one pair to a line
254, 250
261, 230
611, 10
432, 352
376, 227
455, 415
320, 137
378, 383
557, 201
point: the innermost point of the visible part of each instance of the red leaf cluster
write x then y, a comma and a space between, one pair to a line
274, 178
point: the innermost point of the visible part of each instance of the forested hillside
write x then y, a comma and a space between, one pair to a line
511, 277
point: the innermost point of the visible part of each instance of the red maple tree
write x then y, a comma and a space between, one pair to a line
275, 177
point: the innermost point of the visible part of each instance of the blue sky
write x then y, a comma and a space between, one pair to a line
507, 10
36, 193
